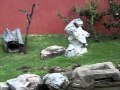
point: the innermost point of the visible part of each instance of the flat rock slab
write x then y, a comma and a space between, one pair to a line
86, 76
52, 51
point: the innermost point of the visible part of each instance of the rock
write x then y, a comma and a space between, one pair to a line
75, 66
56, 69
25, 82
52, 51
56, 81
86, 76
4, 86
118, 67
12, 40
77, 38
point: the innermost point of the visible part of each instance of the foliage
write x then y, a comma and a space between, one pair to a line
114, 9
113, 25
65, 19
11, 64
92, 15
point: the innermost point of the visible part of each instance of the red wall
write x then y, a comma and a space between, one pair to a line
45, 20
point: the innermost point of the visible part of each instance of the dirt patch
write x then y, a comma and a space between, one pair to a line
25, 69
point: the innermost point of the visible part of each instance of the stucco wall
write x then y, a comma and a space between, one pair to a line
45, 20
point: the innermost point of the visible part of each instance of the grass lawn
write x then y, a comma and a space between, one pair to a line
11, 63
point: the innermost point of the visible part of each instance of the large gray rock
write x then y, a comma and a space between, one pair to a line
25, 82
86, 76
52, 51
4, 86
77, 38
56, 81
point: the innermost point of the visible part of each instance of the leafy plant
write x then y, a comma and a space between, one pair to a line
114, 9
113, 25
65, 19
92, 15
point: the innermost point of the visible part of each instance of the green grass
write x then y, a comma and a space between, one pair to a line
106, 50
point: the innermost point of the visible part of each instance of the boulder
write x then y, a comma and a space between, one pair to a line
118, 67
56, 81
4, 86
25, 82
77, 38
52, 51
86, 76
